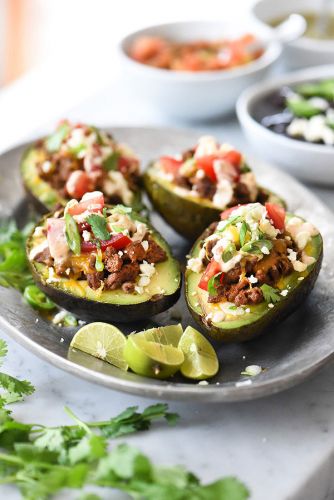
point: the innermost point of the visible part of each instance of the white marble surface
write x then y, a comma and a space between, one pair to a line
281, 446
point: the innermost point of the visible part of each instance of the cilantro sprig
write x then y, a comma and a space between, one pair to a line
42, 461
270, 294
14, 268
98, 225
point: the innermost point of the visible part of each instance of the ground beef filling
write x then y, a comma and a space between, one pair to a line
236, 287
63, 164
121, 269
206, 188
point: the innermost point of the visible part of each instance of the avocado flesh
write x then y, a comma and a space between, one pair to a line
43, 197
111, 305
249, 325
187, 214
41, 194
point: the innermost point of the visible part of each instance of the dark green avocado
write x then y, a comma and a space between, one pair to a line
189, 216
260, 317
43, 197
112, 305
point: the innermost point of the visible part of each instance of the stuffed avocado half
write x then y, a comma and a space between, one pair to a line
103, 262
250, 270
76, 159
190, 190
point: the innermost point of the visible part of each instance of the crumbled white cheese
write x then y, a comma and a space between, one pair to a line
207, 145
314, 129
284, 293
265, 250
195, 264
252, 370
203, 382
319, 102
217, 317
46, 166
249, 180
86, 235
300, 231
116, 184
59, 317
252, 279
247, 310
145, 245
223, 194
271, 306
52, 278
300, 278
39, 231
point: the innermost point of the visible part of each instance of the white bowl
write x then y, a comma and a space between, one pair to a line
310, 162
188, 95
303, 52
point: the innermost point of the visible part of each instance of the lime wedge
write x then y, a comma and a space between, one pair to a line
103, 341
154, 353
200, 358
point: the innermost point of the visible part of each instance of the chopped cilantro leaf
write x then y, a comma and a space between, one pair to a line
111, 162
54, 141
121, 209
214, 283
228, 252
99, 226
256, 246
270, 294
243, 232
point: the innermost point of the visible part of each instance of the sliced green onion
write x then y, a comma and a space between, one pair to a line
72, 234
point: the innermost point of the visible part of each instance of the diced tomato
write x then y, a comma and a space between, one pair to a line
94, 202
225, 215
118, 241
146, 47
233, 157
170, 164
277, 214
78, 184
206, 163
212, 268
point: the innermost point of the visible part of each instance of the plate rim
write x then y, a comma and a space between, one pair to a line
212, 393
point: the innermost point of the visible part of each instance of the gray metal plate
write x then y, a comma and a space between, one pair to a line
291, 352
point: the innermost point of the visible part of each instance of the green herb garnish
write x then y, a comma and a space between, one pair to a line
11, 390
111, 163
270, 294
213, 284
72, 234
99, 226
256, 246
121, 209
54, 141
42, 461
242, 234
14, 267
99, 266
228, 252
245, 169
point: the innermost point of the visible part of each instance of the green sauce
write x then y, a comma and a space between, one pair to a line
311, 29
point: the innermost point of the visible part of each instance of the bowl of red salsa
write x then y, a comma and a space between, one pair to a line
196, 69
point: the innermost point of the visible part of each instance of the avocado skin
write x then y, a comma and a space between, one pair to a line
93, 310
187, 217
274, 316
